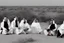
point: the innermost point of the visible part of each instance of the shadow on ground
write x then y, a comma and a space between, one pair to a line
26, 40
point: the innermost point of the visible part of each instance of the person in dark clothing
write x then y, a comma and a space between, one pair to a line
5, 25
16, 23
14, 27
60, 30
52, 26
51, 29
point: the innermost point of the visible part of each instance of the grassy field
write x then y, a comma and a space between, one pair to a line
41, 13
31, 38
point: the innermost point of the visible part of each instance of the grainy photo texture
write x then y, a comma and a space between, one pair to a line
31, 24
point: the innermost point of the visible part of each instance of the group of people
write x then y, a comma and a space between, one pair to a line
54, 30
16, 27
23, 27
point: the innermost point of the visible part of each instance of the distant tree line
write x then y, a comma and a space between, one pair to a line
41, 13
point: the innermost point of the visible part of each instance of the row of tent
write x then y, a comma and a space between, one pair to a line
14, 27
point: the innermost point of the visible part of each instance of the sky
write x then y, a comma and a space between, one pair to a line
31, 2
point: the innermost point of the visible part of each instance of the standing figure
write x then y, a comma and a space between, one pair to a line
51, 30
14, 26
5, 24
35, 27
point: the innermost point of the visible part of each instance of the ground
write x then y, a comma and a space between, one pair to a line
31, 38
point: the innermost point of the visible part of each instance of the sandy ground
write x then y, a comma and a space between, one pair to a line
39, 38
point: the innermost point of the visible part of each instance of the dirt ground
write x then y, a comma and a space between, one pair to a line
38, 38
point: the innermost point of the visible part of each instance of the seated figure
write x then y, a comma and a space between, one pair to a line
5, 24
51, 30
35, 27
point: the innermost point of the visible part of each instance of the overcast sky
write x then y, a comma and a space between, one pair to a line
31, 2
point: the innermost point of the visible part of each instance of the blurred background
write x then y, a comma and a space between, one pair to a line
42, 13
